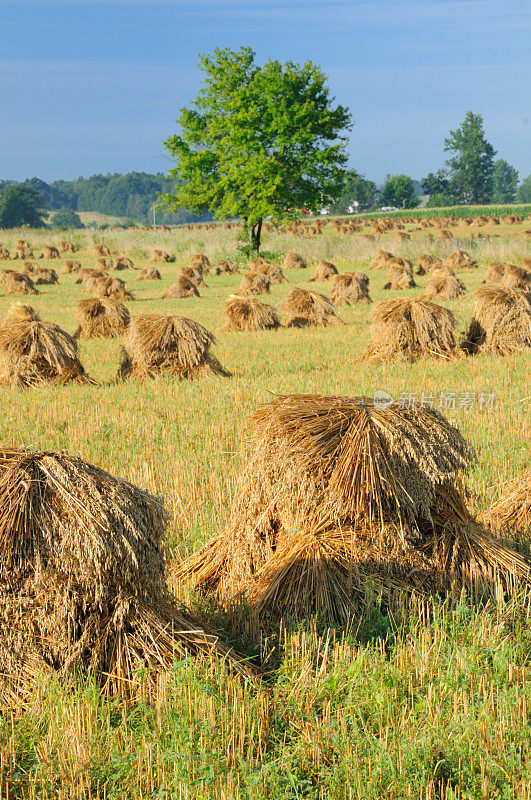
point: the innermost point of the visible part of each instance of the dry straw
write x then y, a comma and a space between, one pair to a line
149, 274
501, 321
349, 288
340, 495
303, 308
16, 282
33, 353
105, 286
512, 511
443, 285
224, 267
408, 329
182, 289
426, 263
254, 283
459, 259
82, 578
246, 314
293, 261
324, 271
156, 344
101, 317
399, 274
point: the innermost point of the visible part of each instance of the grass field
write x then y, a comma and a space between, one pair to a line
430, 701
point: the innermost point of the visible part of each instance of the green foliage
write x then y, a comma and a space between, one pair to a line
357, 189
66, 219
523, 193
471, 167
439, 199
258, 141
436, 183
21, 205
399, 191
504, 181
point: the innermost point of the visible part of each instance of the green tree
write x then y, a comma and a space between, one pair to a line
356, 190
436, 183
472, 164
21, 205
504, 182
66, 219
523, 193
258, 141
399, 191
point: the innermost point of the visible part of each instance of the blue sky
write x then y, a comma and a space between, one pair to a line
90, 86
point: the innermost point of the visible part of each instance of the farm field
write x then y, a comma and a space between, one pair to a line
427, 699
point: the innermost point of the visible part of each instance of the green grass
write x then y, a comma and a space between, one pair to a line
431, 701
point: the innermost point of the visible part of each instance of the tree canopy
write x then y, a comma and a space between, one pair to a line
66, 219
472, 163
259, 141
358, 194
523, 193
21, 205
399, 191
504, 182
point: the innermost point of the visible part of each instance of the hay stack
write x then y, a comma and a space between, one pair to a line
294, 261
303, 308
501, 322
4, 254
101, 317
407, 329
123, 263
101, 250
443, 284
104, 264
495, 272
192, 275
149, 274
82, 578
45, 277
245, 314
339, 495
324, 271
399, 274
16, 283
201, 263
49, 251
182, 289
66, 247
71, 266
29, 268
157, 344
349, 288
271, 271
160, 257
111, 287
516, 278
460, 260
512, 511
23, 250
33, 352
382, 257
254, 283
427, 263
224, 267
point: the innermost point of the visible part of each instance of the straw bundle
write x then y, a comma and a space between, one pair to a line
303, 308
246, 314
157, 344
516, 278
49, 251
101, 317
399, 274
4, 254
254, 283
224, 267
33, 352
23, 250
123, 263
443, 285
293, 261
101, 250
495, 272
16, 283
512, 511
149, 274
339, 495
82, 578
201, 263
192, 275
324, 271
182, 289
501, 322
111, 287
29, 268
408, 329
160, 257
87, 276
460, 260
349, 288
45, 277
66, 247
271, 271
426, 263
104, 264
382, 257
70, 266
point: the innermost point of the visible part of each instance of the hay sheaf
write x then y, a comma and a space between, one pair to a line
83, 581
182, 289
293, 261
149, 274
382, 257
516, 278
459, 259
49, 251
192, 275
271, 271
156, 344
224, 267
495, 272
399, 274
17, 283
254, 283
443, 285
246, 314
101, 317
71, 266
66, 247
324, 271
160, 257
408, 329
339, 495
4, 254
426, 263
101, 250
349, 288
45, 277
105, 286
33, 353
201, 262
512, 511
123, 263
303, 308
501, 322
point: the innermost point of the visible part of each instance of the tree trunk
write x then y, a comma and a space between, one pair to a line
255, 233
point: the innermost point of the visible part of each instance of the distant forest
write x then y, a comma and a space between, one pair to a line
130, 196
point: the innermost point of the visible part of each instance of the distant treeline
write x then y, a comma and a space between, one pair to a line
130, 196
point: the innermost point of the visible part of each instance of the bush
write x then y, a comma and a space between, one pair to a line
66, 219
